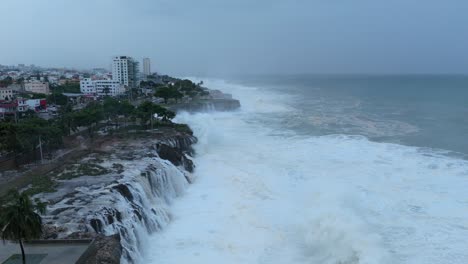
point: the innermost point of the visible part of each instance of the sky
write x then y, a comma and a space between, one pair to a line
231, 37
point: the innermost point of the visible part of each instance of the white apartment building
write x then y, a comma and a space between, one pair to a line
35, 86
101, 87
6, 93
146, 66
109, 87
125, 71
87, 86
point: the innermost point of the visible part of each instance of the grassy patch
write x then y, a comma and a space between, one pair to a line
41, 184
78, 170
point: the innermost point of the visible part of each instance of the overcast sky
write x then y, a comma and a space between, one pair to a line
218, 37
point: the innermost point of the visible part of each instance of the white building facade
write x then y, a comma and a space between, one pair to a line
6, 94
125, 71
101, 87
35, 86
87, 86
146, 66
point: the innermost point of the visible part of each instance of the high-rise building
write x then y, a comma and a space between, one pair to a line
146, 66
125, 71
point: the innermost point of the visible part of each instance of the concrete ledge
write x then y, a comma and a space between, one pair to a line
60, 241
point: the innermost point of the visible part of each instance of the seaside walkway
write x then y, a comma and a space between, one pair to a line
59, 252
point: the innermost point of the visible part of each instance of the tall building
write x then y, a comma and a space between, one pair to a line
125, 71
146, 66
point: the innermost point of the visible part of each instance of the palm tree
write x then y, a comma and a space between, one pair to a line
20, 219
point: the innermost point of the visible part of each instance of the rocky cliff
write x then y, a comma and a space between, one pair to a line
124, 189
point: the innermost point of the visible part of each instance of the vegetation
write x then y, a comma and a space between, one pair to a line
168, 93
66, 88
20, 219
6, 82
41, 184
147, 110
176, 89
78, 170
57, 99
26, 134
37, 96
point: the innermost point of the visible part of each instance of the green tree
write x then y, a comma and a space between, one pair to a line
30, 131
20, 219
164, 93
66, 121
166, 115
89, 117
167, 93
38, 96
7, 137
6, 81
146, 110
57, 98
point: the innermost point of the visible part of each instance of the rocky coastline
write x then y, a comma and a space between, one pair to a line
119, 192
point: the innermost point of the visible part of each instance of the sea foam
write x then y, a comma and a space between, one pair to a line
267, 195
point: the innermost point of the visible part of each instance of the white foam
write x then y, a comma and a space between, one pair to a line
268, 197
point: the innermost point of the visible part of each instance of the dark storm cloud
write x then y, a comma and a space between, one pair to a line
213, 37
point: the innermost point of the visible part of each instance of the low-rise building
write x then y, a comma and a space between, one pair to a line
101, 87
6, 94
35, 86
7, 108
22, 105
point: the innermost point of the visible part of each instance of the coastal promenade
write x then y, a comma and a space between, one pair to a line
59, 252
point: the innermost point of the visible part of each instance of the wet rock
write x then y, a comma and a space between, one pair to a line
175, 156
96, 224
81, 235
103, 250
124, 191
51, 232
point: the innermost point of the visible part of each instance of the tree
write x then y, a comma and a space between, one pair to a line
89, 117
166, 115
57, 98
38, 96
164, 93
6, 82
30, 131
66, 121
20, 219
168, 93
146, 110
7, 137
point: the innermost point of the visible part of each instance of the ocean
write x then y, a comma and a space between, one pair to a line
326, 169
